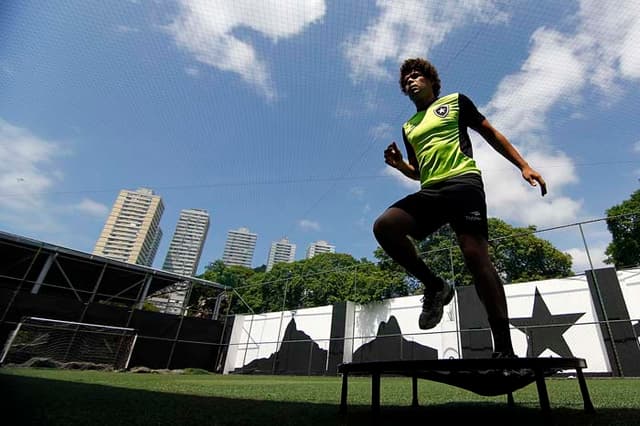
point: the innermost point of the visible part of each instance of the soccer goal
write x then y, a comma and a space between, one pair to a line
65, 342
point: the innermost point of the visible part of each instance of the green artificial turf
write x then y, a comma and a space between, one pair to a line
61, 397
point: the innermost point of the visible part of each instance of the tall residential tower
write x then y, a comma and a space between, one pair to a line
187, 242
183, 257
132, 232
239, 248
281, 251
319, 247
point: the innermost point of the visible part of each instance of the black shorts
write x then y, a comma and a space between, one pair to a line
459, 201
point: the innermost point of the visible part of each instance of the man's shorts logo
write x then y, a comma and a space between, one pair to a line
442, 111
473, 216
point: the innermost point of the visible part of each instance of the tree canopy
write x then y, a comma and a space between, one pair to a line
517, 254
322, 280
623, 221
330, 278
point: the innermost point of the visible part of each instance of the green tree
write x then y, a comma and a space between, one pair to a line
517, 253
623, 221
148, 306
230, 276
322, 280
521, 256
203, 297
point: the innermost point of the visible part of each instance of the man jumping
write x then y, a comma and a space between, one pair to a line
440, 156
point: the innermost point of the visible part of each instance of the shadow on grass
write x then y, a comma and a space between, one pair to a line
37, 401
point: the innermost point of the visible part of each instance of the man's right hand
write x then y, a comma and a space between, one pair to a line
393, 155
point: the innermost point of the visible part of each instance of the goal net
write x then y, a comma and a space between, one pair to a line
65, 342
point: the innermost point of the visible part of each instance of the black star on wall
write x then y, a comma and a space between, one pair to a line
541, 338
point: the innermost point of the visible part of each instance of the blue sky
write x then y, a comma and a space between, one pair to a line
273, 115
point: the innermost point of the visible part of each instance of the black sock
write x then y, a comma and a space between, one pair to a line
433, 283
501, 336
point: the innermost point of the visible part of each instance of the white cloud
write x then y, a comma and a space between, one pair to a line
611, 30
365, 221
308, 225
409, 28
92, 208
208, 31
27, 169
382, 131
357, 192
560, 68
192, 71
581, 260
29, 173
636, 147
364, 224
552, 74
125, 29
512, 198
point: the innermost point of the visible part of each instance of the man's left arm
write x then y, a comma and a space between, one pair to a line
501, 144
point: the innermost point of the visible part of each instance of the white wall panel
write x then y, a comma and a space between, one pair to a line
562, 296
259, 336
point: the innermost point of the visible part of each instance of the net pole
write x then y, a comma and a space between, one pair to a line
133, 345
9, 342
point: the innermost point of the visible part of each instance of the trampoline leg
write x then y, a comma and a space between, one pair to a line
542, 391
510, 400
343, 395
588, 406
375, 392
414, 387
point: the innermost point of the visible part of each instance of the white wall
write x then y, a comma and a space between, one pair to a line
406, 310
258, 334
562, 296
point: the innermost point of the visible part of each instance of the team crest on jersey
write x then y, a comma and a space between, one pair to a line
442, 111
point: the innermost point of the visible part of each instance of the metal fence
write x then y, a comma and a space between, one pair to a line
586, 241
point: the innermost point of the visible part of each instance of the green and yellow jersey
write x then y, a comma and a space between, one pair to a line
439, 138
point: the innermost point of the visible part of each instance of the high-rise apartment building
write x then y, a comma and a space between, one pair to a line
183, 257
155, 245
239, 248
132, 232
281, 251
318, 247
187, 242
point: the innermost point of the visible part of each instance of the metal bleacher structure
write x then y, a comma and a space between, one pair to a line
45, 280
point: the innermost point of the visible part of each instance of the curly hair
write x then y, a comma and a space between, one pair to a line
425, 68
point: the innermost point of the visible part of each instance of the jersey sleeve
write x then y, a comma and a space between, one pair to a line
469, 114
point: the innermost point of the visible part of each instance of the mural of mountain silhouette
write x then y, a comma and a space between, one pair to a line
389, 345
298, 354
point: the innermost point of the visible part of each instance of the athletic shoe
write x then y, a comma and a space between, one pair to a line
433, 304
515, 374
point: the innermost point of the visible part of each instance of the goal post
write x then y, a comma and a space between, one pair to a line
67, 341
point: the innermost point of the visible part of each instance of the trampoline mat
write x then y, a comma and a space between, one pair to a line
485, 382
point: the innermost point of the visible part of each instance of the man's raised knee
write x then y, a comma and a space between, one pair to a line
381, 227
